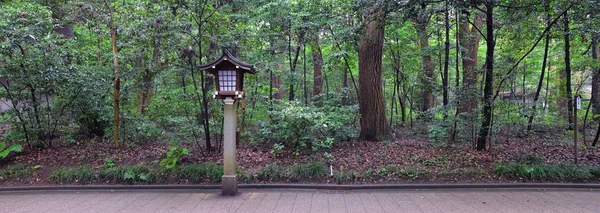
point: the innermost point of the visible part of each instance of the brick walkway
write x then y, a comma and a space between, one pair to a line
306, 201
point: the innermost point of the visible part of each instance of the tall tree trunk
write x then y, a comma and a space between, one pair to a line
205, 117
117, 80
148, 75
446, 57
427, 79
469, 39
489, 77
373, 122
544, 62
568, 70
595, 75
317, 67
304, 76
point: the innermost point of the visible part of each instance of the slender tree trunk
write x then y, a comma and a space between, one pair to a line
489, 77
205, 116
568, 70
544, 62
304, 76
117, 80
293, 63
317, 67
446, 57
374, 124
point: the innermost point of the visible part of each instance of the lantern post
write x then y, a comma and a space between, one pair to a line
229, 78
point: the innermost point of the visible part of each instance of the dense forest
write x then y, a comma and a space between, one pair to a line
461, 75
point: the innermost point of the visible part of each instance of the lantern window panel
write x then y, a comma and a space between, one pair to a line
227, 80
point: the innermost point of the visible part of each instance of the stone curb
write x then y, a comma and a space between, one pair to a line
305, 187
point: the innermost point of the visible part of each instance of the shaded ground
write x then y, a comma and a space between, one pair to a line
418, 159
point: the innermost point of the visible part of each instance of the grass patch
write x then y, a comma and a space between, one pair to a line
72, 175
124, 174
189, 173
547, 172
17, 171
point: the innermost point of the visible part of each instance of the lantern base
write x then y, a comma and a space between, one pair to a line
229, 185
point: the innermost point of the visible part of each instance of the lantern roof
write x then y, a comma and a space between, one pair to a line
228, 56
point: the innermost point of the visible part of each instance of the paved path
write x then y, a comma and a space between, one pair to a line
305, 201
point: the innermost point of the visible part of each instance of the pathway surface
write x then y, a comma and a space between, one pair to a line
305, 201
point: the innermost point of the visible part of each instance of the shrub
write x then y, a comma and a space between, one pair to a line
174, 154
437, 133
298, 127
136, 129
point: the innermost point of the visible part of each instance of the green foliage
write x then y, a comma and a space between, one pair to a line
297, 127
4, 151
131, 174
136, 129
72, 175
547, 172
108, 163
174, 154
437, 133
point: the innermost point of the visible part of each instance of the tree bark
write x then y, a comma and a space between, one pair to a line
568, 70
148, 75
469, 39
427, 79
595, 76
317, 67
446, 57
117, 80
374, 125
489, 78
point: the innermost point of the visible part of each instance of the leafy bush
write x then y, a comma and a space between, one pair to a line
136, 129
298, 127
174, 154
437, 133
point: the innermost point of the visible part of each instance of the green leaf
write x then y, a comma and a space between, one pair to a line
12, 148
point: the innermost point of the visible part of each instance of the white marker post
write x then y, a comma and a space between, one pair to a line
578, 106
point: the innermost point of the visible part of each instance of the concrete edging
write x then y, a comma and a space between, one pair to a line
306, 187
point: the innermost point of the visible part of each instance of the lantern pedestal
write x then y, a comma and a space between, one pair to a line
229, 181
